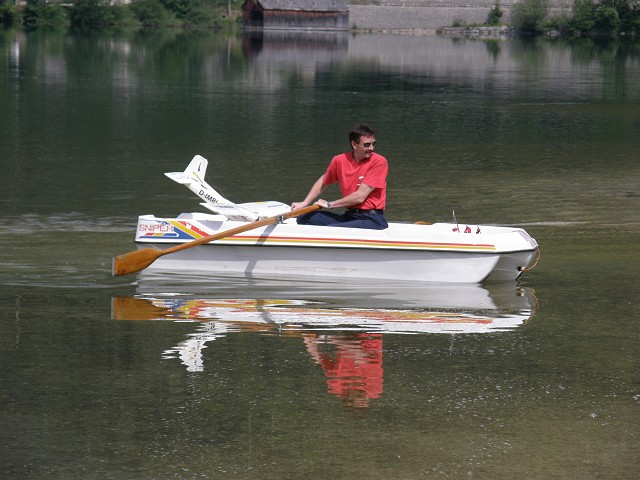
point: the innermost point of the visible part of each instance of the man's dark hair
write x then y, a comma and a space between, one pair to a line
361, 130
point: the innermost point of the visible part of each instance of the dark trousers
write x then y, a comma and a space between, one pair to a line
347, 219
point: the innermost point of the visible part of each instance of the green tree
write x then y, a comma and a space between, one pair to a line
38, 14
181, 8
88, 12
605, 17
528, 16
151, 13
494, 15
584, 15
9, 14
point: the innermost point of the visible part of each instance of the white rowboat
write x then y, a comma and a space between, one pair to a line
440, 252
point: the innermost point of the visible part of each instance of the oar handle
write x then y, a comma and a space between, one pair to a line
240, 229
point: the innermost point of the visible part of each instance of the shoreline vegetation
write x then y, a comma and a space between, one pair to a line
608, 18
139, 14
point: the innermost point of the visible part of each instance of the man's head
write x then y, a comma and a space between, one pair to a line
363, 141
359, 131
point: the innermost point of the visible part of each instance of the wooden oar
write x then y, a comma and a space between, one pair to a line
137, 260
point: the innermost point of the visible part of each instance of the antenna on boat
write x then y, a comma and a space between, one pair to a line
455, 220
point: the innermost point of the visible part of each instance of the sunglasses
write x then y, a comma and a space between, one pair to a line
369, 144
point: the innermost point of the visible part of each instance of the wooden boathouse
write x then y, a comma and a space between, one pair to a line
295, 14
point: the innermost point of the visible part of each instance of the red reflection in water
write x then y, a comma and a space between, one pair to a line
352, 364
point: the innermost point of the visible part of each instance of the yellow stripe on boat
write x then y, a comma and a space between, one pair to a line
188, 229
337, 242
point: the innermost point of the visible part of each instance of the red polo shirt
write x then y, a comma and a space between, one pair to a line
350, 174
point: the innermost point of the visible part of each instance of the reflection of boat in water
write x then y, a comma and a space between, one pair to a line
342, 324
269, 315
231, 304
348, 293
387, 307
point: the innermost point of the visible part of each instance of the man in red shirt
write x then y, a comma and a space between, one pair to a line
362, 177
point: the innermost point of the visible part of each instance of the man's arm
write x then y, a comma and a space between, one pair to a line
315, 191
355, 198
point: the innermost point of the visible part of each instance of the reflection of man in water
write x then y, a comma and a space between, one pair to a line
353, 365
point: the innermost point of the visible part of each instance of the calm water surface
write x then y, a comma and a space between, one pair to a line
154, 378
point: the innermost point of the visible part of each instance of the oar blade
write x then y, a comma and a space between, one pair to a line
133, 262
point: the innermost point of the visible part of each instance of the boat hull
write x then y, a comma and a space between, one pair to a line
425, 253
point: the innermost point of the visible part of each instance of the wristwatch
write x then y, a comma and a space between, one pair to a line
329, 205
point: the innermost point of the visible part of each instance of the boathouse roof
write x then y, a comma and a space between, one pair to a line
304, 5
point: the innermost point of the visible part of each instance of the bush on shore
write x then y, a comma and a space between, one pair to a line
588, 17
140, 13
528, 16
494, 15
10, 15
39, 14
611, 17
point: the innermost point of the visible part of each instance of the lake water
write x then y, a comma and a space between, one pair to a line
156, 378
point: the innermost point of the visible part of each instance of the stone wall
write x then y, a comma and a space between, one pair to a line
425, 16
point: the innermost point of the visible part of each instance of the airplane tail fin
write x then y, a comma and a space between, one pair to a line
193, 178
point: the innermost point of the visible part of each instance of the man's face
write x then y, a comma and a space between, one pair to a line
364, 148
